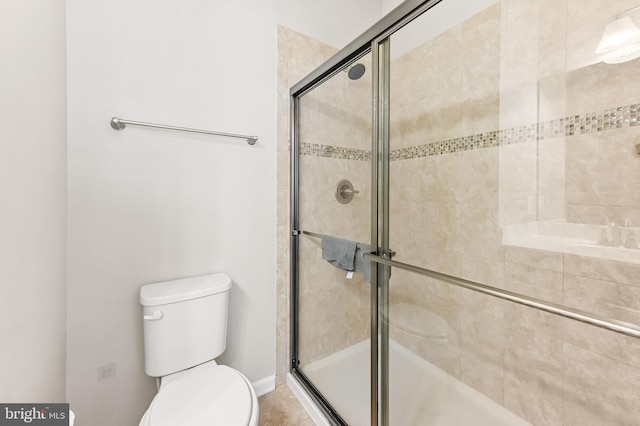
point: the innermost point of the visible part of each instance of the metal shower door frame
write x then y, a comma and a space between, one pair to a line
376, 40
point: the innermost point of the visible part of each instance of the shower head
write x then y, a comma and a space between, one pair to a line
356, 71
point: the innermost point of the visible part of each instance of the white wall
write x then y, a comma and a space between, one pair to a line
148, 205
33, 201
332, 22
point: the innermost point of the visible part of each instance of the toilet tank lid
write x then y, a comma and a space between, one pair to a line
174, 291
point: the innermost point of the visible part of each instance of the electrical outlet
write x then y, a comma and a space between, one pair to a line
106, 372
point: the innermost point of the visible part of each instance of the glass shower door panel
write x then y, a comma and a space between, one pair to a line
334, 201
513, 165
444, 113
431, 339
444, 117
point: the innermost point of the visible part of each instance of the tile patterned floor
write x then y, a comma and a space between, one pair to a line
281, 408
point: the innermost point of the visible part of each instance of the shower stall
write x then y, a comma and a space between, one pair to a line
488, 154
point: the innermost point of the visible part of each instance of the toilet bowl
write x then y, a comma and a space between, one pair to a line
185, 324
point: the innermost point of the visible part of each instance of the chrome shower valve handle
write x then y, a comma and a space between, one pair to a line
344, 191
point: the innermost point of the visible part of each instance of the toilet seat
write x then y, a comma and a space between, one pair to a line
214, 396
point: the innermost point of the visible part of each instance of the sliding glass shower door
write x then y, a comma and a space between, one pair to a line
333, 207
513, 209
444, 352
502, 143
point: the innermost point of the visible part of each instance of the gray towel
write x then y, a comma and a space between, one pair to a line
347, 255
363, 265
338, 252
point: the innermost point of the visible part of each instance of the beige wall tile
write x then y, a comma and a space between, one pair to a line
283, 170
443, 226
552, 42
607, 343
407, 231
282, 282
599, 390
483, 270
552, 199
611, 300
534, 361
425, 92
480, 56
482, 344
582, 169
405, 179
480, 232
591, 177
518, 177
282, 237
478, 176
282, 218
538, 258
619, 272
534, 282
552, 96
601, 86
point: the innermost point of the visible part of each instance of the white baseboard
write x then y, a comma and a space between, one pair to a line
264, 386
313, 410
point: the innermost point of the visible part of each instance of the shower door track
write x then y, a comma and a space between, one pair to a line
541, 305
318, 398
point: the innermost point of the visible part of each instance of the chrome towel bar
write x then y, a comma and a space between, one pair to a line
316, 235
312, 234
120, 123
563, 311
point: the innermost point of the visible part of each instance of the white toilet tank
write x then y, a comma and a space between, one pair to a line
184, 322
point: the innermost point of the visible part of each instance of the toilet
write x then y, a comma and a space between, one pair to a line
185, 329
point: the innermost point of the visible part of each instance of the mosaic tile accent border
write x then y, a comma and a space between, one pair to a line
317, 150
614, 118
